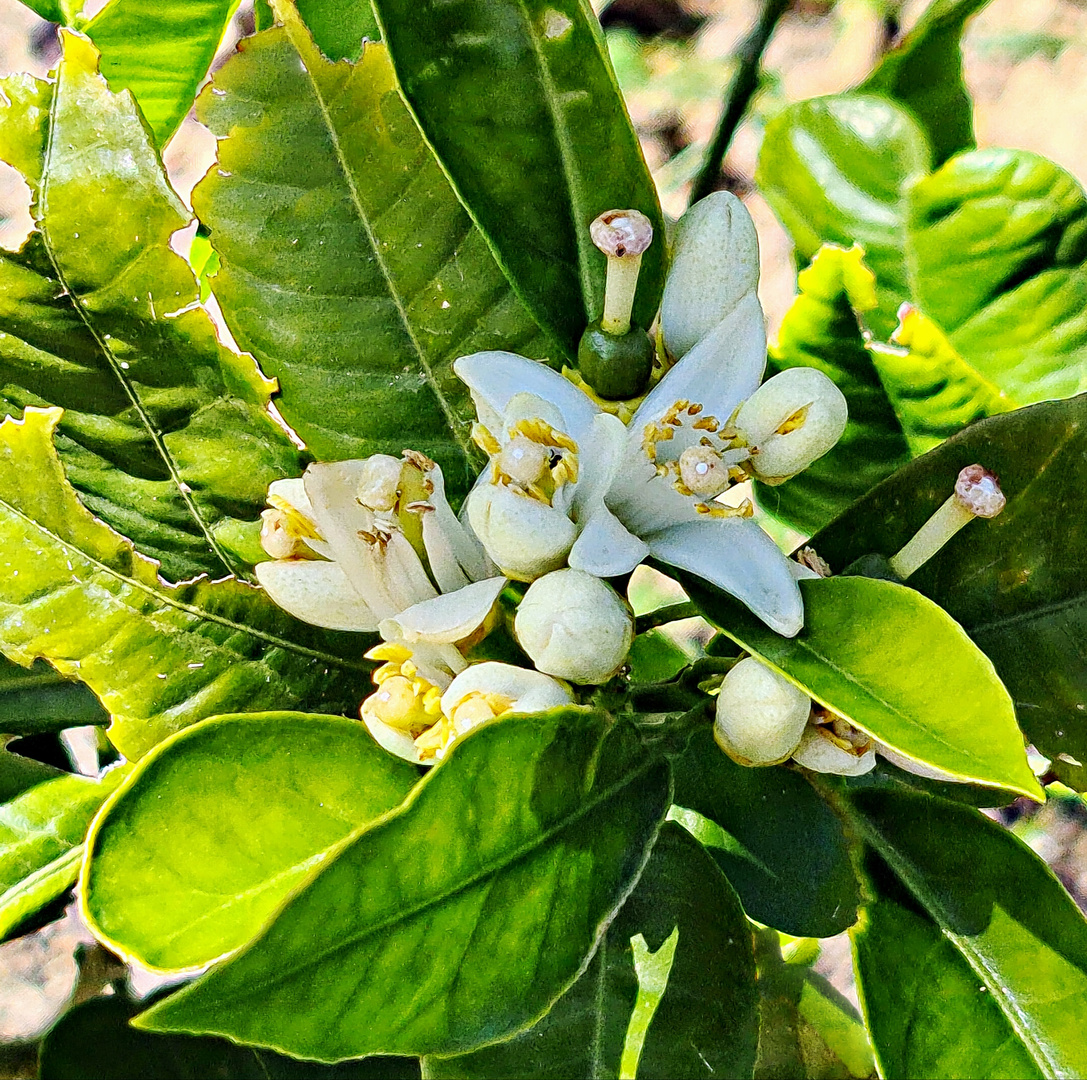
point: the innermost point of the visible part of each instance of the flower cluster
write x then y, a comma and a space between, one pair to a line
577, 492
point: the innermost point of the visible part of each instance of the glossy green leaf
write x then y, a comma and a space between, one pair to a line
349, 269
219, 824
57, 11
41, 700
582, 1034
123, 1053
41, 833
707, 1021
833, 170
655, 657
160, 50
929, 1014
159, 657
863, 643
824, 329
166, 433
924, 73
339, 26
1002, 909
469, 910
997, 252
1016, 583
935, 392
782, 847
521, 105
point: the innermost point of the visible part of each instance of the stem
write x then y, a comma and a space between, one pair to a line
932, 536
738, 95
619, 290
668, 614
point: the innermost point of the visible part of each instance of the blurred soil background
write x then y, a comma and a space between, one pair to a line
1026, 69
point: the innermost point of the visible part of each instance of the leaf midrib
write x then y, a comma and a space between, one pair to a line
114, 364
486, 871
292, 31
191, 609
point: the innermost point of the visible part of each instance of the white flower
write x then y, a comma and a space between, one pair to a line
624, 493
760, 715
575, 626
420, 727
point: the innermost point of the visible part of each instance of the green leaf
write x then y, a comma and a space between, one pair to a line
349, 269
824, 329
166, 434
935, 392
41, 700
521, 105
472, 907
927, 1011
1002, 909
924, 73
159, 657
220, 823
41, 833
339, 26
707, 1021
120, 1051
655, 657
863, 645
57, 11
833, 170
997, 253
1016, 583
160, 50
19, 773
781, 845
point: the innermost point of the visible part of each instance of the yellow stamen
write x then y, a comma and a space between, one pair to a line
485, 440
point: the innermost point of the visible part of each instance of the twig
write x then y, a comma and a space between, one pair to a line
738, 96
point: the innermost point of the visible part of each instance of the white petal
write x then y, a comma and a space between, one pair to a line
930, 772
598, 464
605, 548
645, 502
525, 538
393, 739
495, 377
532, 691
407, 581
819, 754
448, 618
454, 537
441, 556
738, 557
715, 264
723, 369
293, 492
316, 592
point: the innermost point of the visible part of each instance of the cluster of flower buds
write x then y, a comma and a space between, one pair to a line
571, 497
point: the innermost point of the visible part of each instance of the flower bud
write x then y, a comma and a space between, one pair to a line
574, 626
791, 420
524, 537
484, 691
715, 263
760, 714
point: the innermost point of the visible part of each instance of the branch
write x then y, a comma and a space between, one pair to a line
738, 96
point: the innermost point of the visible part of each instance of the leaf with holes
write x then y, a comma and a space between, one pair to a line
349, 269
165, 434
160, 50
521, 105
159, 657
